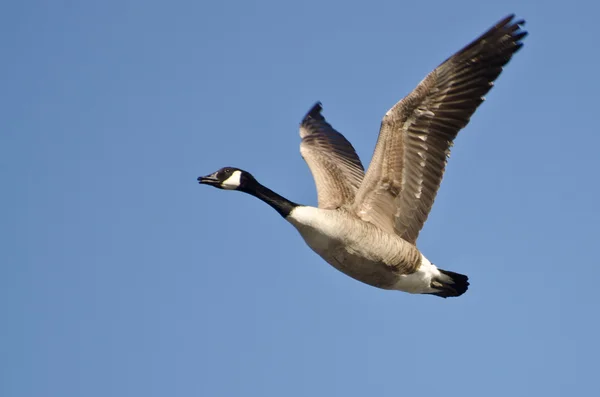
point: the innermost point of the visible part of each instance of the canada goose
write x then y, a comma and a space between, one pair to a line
367, 225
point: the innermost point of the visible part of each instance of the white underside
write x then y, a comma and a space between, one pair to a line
340, 242
419, 282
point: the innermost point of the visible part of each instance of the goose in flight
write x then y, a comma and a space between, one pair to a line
366, 225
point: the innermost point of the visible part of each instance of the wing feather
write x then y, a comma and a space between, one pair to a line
417, 133
332, 160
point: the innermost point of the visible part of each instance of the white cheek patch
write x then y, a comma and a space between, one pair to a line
233, 182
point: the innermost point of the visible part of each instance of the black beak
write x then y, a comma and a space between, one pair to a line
209, 179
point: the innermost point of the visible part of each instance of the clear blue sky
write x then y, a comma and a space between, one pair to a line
121, 276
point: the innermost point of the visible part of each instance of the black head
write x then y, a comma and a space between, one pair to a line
231, 178
228, 178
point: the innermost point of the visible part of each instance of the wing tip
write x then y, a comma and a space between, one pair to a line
507, 26
314, 113
506, 35
512, 26
509, 20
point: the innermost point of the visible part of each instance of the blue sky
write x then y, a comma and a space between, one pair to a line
120, 276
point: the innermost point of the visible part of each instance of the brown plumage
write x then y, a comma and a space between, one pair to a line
332, 160
415, 138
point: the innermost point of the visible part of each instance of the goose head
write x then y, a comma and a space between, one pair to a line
228, 178
231, 178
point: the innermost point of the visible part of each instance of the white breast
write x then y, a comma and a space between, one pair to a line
321, 229
359, 249
332, 232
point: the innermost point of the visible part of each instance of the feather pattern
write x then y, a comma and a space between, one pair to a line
416, 134
332, 160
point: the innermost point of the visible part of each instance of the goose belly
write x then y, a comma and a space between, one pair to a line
369, 268
345, 249
361, 268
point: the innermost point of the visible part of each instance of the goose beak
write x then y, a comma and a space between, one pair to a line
209, 179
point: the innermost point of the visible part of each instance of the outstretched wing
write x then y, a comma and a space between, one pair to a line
332, 160
417, 133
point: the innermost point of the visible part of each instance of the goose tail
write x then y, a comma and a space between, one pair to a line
449, 284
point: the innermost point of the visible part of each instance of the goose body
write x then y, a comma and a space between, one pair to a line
367, 224
387, 261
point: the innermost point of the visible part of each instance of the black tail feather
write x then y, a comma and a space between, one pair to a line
455, 284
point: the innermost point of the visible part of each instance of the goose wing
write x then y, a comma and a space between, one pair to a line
332, 160
417, 133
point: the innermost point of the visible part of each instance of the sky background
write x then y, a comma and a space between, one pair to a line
120, 276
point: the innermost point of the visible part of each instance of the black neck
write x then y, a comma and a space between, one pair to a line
282, 205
